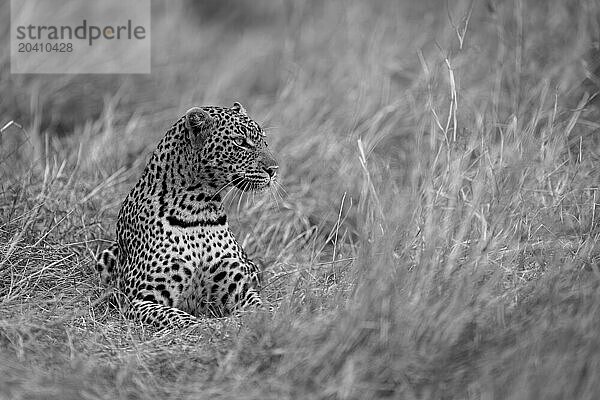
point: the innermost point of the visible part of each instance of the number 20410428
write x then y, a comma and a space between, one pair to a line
40, 47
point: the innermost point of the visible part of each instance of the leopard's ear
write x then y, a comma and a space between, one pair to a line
237, 107
198, 123
197, 119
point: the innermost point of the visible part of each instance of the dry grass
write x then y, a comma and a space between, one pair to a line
437, 235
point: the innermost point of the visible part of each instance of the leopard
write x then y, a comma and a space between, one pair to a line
175, 259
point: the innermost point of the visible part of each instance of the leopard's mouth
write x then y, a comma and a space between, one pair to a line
252, 182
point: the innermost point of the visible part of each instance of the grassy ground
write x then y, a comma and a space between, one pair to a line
436, 238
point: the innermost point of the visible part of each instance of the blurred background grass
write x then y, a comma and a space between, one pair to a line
435, 237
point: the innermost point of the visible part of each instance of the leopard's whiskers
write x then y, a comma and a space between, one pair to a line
231, 189
272, 193
280, 186
276, 187
233, 182
236, 191
244, 187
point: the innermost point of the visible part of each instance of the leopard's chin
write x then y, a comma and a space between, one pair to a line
262, 187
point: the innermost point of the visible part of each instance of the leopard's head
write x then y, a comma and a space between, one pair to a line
229, 148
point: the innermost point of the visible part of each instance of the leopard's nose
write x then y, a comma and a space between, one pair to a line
271, 170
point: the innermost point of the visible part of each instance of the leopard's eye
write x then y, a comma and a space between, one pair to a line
244, 142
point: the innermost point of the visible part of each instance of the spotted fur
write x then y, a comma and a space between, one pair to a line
175, 257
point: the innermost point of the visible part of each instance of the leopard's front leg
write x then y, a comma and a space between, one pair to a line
227, 286
159, 315
248, 295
